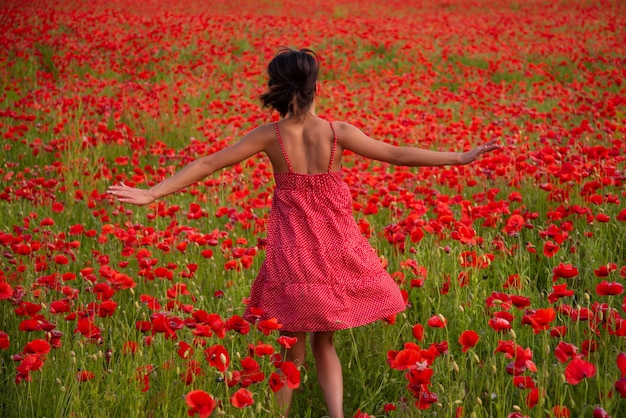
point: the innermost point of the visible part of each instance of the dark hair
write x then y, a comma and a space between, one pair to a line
292, 81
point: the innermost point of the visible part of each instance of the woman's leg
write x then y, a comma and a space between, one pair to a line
328, 369
296, 355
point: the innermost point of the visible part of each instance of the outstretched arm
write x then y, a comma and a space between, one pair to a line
252, 143
353, 139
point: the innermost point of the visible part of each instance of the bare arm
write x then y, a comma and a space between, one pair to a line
252, 143
353, 139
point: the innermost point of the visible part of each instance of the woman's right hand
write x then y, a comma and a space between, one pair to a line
132, 195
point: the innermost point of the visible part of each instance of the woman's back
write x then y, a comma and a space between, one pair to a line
307, 144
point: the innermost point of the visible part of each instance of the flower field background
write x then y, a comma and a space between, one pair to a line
513, 267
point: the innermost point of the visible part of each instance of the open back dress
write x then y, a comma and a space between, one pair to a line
320, 273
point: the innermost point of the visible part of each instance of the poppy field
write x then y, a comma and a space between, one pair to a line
513, 268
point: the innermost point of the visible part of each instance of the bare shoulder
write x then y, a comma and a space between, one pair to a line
263, 131
261, 135
348, 134
345, 130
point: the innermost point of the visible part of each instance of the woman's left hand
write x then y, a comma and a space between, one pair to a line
488, 146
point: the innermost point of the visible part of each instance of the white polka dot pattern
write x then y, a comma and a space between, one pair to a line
319, 273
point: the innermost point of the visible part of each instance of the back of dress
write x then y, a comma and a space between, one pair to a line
320, 273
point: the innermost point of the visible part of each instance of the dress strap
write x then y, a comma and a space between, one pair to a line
332, 153
282, 148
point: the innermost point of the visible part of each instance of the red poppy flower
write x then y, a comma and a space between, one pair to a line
560, 411
77, 229
417, 234
276, 382
523, 382
143, 326
162, 272
464, 234
499, 324
425, 399
61, 259
577, 370
565, 351
28, 309
565, 271
217, 324
500, 299
558, 331
87, 328
242, 398
200, 402
588, 346
4, 340
550, 249
468, 339
46, 222
6, 291
463, 278
540, 319
520, 301
177, 290
599, 412
605, 288
28, 364
513, 281
370, 209
218, 357
468, 259
388, 407
39, 347
286, 341
621, 363
84, 376
514, 225
437, 321
533, 397
582, 314
507, 347
262, 349
106, 308
166, 323
142, 375
269, 325
418, 332
291, 373
407, 357
129, 347
605, 270
233, 378
184, 350
238, 324
559, 291
620, 387
151, 301
419, 374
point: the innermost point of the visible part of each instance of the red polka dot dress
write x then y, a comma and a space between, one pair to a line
320, 273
